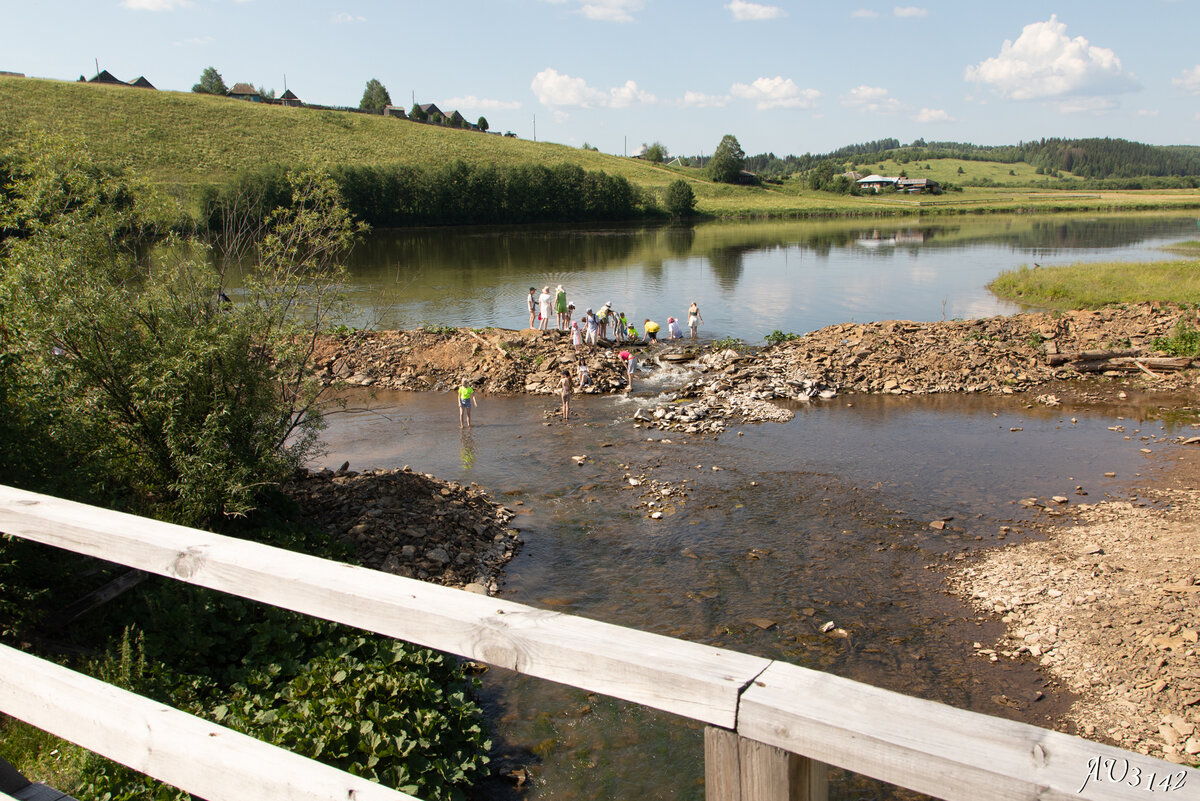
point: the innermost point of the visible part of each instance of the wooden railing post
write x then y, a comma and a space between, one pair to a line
738, 769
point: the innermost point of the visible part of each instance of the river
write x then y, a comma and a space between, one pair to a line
777, 528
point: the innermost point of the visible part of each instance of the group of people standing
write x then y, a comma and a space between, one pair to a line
607, 323
596, 326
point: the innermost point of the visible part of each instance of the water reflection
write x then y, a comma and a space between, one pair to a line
750, 278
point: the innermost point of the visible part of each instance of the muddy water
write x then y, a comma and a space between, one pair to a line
783, 528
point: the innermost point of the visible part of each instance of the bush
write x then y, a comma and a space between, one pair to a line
778, 337
681, 200
118, 332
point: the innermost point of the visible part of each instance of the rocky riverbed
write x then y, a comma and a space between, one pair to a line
1109, 604
412, 524
743, 384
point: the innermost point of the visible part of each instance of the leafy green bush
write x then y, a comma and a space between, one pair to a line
116, 330
680, 200
375, 708
778, 337
1184, 342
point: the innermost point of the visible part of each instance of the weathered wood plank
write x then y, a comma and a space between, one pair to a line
936, 749
738, 769
203, 758
688, 679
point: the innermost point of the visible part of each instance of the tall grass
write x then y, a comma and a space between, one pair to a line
1099, 284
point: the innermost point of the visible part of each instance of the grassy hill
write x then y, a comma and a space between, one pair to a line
187, 140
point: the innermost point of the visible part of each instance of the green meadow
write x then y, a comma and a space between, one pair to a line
186, 141
1086, 286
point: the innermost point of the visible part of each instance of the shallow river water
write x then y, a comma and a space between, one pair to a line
825, 518
783, 527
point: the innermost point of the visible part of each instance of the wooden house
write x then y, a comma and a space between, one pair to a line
104, 76
876, 183
244, 91
394, 111
918, 185
288, 98
142, 83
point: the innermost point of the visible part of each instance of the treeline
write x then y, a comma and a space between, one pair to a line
1095, 158
457, 193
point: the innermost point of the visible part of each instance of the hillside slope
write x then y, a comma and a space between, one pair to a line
185, 138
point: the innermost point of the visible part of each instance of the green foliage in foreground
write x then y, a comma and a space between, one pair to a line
127, 379
1098, 284
120, 333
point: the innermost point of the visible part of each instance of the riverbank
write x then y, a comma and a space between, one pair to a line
1062, 351
412, 524
1109, 605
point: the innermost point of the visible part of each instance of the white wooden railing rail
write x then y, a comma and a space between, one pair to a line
773, 727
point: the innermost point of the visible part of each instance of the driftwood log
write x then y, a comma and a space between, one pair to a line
1099, 361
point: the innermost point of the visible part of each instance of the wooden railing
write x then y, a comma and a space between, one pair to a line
773, 727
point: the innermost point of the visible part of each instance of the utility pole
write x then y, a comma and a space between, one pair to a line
97, 66
535, 127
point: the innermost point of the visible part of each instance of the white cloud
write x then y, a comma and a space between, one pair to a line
155, 5
1044, 63
342, 18
865, 13
777, 92
554, 89
872, 98
1146, 112
629, 94
1189, 81
932, 115
701, 100
481, 103
910, 11
611, 10
753, 12
194, 41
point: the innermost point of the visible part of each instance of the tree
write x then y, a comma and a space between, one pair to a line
727, 161
266, 94
375, 97
656, 152
184, 404
681, 201
211, 83
482, 124
417, 113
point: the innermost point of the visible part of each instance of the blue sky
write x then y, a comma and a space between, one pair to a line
785, 77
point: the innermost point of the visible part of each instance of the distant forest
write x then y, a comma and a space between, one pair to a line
1085, 158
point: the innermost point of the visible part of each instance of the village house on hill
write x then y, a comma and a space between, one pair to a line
244, 91
104, 76
878, 183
